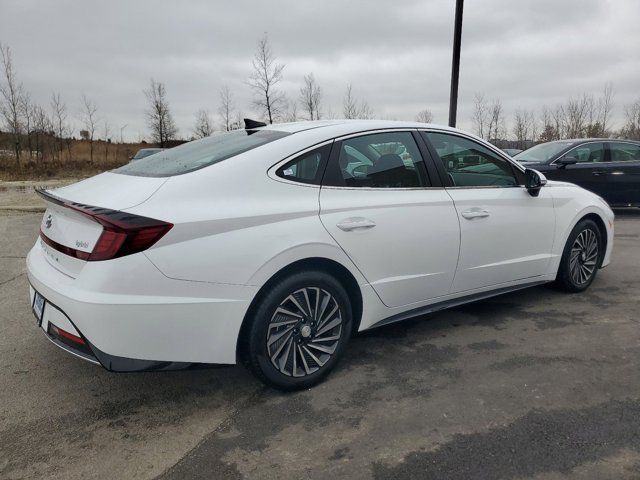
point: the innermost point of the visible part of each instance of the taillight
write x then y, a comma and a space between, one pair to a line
123, 233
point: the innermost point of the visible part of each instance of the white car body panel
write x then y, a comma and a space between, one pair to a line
512, 242
410, 253
236, 225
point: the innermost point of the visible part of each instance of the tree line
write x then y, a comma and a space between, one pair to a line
582, 116
46, 130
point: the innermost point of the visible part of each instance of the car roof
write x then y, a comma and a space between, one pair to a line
345, 127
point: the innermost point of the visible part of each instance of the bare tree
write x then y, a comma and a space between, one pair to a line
204, 125
496, 127
524, 128
606, 107
11, 93
310, 97
631, 128
106, 135
292, 112
159, 118
42, 130
349, 104
27, 112
226, 108
576, 115
60, 126
424, 116
266, 75
89, 119
352, 108
481, 115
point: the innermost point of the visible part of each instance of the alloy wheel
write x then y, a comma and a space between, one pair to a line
584, 256
304, 332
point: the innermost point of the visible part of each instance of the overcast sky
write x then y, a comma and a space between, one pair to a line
396, 54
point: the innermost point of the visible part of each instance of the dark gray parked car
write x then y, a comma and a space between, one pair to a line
610, 168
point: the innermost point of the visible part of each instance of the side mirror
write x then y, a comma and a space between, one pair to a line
564, 161
534, 181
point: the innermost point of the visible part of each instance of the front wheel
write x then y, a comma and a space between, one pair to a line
581, 257
299, 330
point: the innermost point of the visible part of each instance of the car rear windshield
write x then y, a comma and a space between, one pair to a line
199, 153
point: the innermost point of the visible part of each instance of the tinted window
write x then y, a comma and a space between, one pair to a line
624, 152
200, 153
380, 160
589, 152
470, 164
308, 167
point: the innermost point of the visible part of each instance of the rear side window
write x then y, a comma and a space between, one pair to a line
624, 152
379, 160
199, 153
308, 167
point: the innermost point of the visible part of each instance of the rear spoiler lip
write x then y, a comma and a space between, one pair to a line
50, 197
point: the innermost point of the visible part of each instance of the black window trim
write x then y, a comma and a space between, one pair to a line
440, 164
272, 172
434, 183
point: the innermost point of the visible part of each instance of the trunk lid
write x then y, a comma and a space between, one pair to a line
68, 236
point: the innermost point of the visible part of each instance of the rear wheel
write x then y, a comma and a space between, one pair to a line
581, 257
299, 330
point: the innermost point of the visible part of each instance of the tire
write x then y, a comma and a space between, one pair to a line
580, 262
290, 344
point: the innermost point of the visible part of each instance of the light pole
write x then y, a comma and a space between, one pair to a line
455, 64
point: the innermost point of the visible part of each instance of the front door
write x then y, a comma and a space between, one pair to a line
380, 206
589, 172
506, 234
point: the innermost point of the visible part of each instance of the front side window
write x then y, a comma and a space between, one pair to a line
379, 160
470, 164
624, 152
308, 167
199, 153
587, 153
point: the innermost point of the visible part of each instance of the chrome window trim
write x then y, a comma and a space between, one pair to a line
580, 145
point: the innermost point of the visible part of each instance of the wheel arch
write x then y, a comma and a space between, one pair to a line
330, 266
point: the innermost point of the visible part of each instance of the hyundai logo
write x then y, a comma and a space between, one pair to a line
48, 222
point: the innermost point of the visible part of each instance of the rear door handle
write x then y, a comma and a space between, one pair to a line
598, 172
475, 213
355, 223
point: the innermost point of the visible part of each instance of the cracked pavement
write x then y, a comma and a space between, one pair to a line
533, 384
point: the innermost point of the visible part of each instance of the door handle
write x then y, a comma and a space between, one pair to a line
598, 172
475, 213
355, 223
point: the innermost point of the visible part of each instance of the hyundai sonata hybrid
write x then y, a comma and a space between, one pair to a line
273, 245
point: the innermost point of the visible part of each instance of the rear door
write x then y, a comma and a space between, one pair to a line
591, 170
623, 174
393, 219
506, 234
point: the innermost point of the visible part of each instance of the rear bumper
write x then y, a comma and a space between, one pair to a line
134, 318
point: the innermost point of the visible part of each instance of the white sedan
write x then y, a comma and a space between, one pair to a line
274, 244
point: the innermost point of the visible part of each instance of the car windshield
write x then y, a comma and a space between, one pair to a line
199, 153
542, 152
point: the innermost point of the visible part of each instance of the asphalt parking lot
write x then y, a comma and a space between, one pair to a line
533, 384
